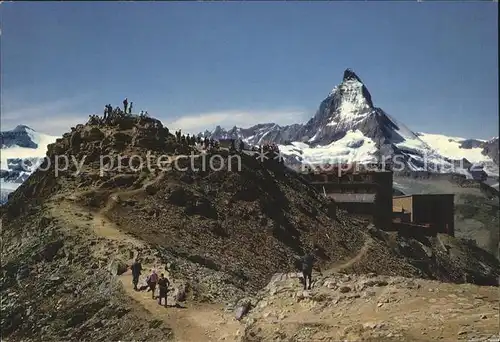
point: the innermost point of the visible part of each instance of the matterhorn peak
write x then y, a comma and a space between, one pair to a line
350, 75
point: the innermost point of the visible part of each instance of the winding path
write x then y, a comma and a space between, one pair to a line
195, 322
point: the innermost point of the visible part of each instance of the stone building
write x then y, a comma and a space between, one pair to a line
436, 210
366, 193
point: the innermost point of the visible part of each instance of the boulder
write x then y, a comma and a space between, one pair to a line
202, 207
49, 251
120, 138
126, 123
344, 289
56, 149
75, 141
117, 267
150, 189
22, 273
241, 310
179, 196
93, 134
181, 293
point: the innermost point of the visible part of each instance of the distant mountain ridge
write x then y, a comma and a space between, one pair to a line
348, 127
23, 150
20, 136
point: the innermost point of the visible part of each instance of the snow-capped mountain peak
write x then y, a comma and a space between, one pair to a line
348, 103
23, 150
347, 127
21, 135
22, 128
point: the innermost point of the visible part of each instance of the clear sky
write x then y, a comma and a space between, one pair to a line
432, 66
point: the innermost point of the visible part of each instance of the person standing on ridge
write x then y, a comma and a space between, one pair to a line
163, 285
130, 108
125, 104
110, 110
136, 272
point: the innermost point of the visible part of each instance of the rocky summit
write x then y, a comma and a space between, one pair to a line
220, 225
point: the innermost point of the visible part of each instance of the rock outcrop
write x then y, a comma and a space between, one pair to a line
344, 307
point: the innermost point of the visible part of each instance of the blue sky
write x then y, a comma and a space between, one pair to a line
433, 66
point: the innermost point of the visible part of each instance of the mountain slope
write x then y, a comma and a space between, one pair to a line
348, 127
491, 149
476, 151
221, 233
344, 307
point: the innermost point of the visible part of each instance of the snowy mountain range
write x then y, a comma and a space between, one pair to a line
23, 150
349, 128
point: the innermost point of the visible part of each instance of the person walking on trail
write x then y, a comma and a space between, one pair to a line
130, 108
152, 281
163, 285
125, 104
136, 272
307, 265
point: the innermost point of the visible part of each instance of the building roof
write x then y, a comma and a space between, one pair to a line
422, 195
352, 198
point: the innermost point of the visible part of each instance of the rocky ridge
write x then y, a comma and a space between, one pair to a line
490, 149
344, 307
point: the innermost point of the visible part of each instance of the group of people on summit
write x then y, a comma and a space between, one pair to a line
112, 114
127, 109
205, 143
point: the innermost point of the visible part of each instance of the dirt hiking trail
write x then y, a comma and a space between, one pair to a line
189, 322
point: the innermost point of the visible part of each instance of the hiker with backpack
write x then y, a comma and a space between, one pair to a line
152, 281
